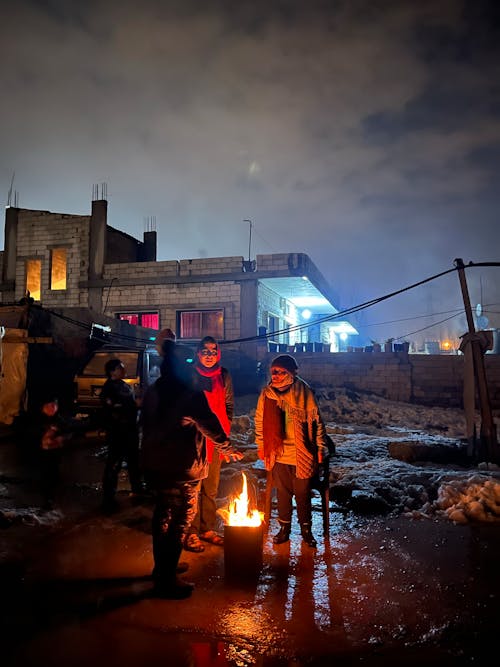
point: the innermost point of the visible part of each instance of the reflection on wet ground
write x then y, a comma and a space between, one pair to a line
377, 591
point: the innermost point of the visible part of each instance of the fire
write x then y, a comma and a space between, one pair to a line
239, 513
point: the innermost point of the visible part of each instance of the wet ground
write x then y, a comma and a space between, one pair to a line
377, 591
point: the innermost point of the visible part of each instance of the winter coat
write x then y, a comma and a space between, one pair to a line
310, 436
119, 406
225, 411
175, 420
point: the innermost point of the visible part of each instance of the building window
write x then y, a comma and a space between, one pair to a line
34, 278
195, 324
149, 320
58, 265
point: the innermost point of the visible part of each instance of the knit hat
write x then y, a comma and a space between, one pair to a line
285, 361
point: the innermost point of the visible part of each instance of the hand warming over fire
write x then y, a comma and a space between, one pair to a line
233, 456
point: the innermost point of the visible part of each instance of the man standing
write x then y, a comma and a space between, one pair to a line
215, 381
292, 440
176, 420
122, 434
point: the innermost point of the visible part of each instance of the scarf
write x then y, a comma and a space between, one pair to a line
216, 397
299, 402
273, 429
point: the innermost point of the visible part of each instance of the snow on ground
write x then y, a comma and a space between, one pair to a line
391, 458
394, 457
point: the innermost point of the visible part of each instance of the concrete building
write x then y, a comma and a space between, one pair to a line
79, 266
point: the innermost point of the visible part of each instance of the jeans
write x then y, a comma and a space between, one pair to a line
206, 516
175, 508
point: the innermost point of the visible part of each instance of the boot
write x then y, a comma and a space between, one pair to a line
307, 536
283, 535
173, 589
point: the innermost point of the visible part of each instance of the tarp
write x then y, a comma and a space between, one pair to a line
13, 365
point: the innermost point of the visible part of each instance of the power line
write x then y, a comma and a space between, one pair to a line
306, 325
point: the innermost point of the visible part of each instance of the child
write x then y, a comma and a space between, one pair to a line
51, 438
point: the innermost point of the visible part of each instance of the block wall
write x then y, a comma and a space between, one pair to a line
210, 266
168, 298
38, 233
417, 378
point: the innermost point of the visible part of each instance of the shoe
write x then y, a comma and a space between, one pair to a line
192, 543
307, 536
212, 537
182, 566
283, 535
175, 589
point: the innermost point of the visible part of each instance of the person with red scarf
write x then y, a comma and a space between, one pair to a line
292, 441
216, 383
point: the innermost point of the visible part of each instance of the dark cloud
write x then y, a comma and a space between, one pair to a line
363, 133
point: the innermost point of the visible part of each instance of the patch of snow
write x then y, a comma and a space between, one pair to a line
365, 477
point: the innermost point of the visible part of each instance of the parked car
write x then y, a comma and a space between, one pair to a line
142, 368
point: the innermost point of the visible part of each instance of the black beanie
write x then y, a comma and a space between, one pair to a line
285, 361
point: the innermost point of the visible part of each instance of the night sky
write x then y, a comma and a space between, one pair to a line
364, 133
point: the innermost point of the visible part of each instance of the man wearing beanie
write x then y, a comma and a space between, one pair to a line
291, 438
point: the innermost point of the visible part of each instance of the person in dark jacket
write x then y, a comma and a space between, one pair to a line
176, 420
122, 433
215, 381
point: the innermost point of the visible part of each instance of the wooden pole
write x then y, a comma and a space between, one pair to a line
488, 434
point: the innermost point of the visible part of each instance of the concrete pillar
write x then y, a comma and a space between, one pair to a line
248, 315
148, 250
97, 250
10, 245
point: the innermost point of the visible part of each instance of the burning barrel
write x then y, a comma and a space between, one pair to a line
243, 539
243, 552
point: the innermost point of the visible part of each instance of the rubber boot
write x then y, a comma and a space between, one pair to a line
283, 535
307, 536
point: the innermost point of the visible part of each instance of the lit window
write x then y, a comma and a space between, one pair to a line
58, 264
196, 324
34, 278
149, 320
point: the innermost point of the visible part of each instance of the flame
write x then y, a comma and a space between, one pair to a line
239, 513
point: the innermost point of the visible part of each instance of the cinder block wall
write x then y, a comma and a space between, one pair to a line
38, 233
417, 378
135, 289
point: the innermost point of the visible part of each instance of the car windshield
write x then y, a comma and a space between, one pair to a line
96, 365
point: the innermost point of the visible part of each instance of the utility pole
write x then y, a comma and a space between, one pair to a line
488, 436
